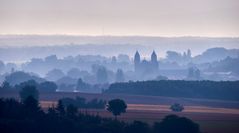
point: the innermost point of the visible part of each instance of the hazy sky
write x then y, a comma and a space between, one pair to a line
121, 17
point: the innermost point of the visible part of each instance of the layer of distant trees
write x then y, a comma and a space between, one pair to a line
214, 64
226, 65
67, 83
224, 90
87, 67
81, 102
17, 79
45, 86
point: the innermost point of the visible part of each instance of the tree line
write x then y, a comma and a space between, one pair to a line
223, 90
81, 102
46, 86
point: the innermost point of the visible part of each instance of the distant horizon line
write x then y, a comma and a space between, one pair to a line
153, 36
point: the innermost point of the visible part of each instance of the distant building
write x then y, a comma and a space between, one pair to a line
145, 66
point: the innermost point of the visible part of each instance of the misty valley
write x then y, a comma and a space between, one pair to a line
119, 93
119, 66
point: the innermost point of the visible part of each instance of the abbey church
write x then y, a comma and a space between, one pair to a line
144, 66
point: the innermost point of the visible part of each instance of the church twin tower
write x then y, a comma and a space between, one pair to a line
145, 66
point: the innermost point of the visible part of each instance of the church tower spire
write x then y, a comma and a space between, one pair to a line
154, 61
154, 57
136, 58
136, 61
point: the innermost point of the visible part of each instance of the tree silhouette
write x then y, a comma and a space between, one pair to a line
6, 86
54, 75
52, 111
175, 124
31, 106
71, 110
2, 66
101, 75
116, 107
137, 127
47, 86
60, 108
119, 76
28, 91
81, 85
177, 107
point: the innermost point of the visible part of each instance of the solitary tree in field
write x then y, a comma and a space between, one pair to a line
116, 107
177, 107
